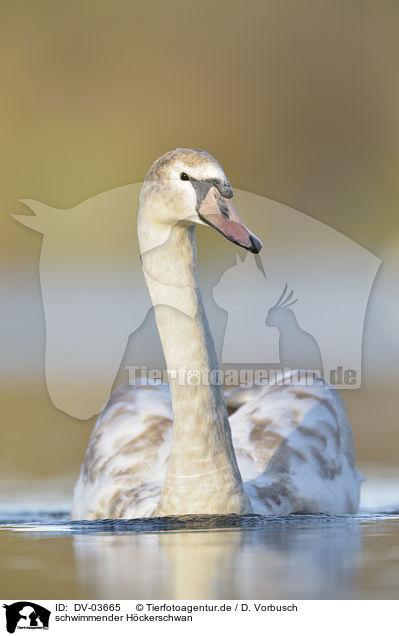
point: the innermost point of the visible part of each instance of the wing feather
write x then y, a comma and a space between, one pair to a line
293, 444
126, 459
294, 448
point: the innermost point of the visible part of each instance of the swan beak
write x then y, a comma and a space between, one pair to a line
220, 213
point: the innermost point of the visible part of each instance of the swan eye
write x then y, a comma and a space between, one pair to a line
184, 176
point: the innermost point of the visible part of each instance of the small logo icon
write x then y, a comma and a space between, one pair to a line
26, 615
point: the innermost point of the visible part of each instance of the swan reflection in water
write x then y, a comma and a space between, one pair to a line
304, 558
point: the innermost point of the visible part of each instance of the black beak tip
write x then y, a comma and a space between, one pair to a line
256, 245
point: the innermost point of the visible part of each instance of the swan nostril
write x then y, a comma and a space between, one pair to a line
223, 208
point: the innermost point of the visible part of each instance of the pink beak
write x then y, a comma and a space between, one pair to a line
220, 213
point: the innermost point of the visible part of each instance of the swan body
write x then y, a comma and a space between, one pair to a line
293, 446
169, 450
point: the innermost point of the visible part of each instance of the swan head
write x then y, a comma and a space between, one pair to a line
189, 187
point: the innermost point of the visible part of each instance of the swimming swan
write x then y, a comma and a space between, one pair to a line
161, 450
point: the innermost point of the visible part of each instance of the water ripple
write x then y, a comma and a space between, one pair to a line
59, 522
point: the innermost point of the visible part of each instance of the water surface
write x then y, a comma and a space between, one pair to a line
44, 555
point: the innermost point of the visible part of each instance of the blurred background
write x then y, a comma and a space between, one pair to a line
298, 101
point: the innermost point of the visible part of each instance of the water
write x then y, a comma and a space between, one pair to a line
44, 555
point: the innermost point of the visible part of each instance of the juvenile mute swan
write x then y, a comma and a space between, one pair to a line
159, 450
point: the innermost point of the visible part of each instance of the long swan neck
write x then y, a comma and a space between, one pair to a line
202, 475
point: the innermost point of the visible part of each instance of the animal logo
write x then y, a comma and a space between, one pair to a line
26, 615
332, 276
298, 349
95, 299
94, 295
246, 339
